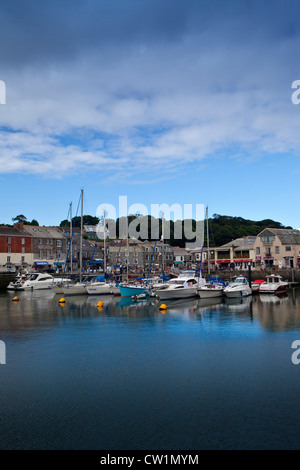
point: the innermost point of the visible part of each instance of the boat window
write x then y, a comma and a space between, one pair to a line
33, 277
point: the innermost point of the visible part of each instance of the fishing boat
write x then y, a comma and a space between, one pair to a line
273, 285
239, 287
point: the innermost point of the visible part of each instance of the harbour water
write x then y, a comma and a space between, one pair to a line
202, 375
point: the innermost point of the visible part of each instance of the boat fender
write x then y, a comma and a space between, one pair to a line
163, 307
16, 298
100, 304
62, 300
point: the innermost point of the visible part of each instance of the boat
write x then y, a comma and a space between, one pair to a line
184, 286
273, 285
37, 281
239, 287
256, 284
130, 290
100, 288
211, 290
17, 282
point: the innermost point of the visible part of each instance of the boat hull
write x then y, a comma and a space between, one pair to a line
235, 294
74, 290
99, 290
129, 291
184, 293
210, 293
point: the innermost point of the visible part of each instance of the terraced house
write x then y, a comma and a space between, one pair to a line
16, 249
276, 247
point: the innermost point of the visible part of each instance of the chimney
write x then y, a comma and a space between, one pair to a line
19, 225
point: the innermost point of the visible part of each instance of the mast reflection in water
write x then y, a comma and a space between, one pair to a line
202, 375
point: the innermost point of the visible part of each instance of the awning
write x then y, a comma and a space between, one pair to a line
223, 261
242, 260
41, 263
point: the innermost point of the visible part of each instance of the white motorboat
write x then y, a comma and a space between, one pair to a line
184, 286
239, 287
211, 290
273, 285
37, 281
255, 285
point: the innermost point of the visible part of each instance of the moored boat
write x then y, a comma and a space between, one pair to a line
273, 285
239, 287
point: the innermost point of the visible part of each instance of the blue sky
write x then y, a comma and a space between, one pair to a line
167, 101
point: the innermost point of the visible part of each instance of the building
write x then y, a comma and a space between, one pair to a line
276, 247
49, 244
16, 249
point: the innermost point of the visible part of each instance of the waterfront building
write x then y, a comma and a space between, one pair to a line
16, 249
276, 247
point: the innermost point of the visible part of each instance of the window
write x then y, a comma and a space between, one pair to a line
258, 250
8, 249
48, 242
277, 248
288, 248
51, 242
41, 254
267, 239
268, 251
8, 239
23, 249
23, 241
40, 241
58, 243
8, 259
22, 259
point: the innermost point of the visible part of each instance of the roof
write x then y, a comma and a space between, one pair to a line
44, 232
11, 231
287, 236
243, 243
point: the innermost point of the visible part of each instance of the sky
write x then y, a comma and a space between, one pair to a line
161, 101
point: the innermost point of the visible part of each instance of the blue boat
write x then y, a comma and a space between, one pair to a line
129, 291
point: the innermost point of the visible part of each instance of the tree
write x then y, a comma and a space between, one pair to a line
20, 218
34, 222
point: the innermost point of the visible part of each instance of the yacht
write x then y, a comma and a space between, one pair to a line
79, 288
184, 286
37, 281
273, 285
239, 287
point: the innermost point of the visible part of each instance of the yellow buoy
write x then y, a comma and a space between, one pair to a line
99, 307
100, 304
16, 298
62, 300
163, 307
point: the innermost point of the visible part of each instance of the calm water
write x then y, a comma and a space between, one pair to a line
203, 375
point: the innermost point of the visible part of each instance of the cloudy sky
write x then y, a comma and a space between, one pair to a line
162, 101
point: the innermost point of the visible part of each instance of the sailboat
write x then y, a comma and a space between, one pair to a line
101, 286
214, 288
79, 288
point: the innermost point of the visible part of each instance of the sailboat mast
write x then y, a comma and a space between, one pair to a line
71, 233
208, 252
81, 232
104, 235
162, 239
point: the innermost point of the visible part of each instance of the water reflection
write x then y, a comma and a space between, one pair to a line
272, 312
